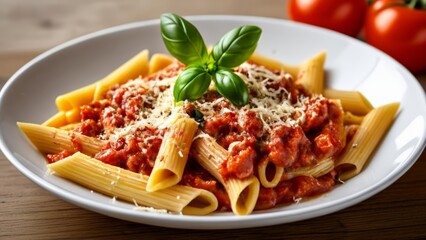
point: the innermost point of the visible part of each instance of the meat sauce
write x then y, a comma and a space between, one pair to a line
321, 135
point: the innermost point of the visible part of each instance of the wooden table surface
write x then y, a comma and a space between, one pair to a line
28, 28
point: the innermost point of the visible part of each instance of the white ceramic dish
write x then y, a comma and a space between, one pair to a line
29, 96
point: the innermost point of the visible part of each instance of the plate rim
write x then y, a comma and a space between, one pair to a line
203, 222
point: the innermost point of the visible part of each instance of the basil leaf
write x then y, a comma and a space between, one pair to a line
183, 40
236, 46
191, 84
197, 115
231, 86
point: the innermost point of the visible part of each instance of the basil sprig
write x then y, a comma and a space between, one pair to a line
184, 42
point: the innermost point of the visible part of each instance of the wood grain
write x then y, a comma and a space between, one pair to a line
27, 211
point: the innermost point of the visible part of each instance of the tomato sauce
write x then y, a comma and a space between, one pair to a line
294, 190
321, 135
243, 134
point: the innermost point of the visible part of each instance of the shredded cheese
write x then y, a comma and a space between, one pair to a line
272, 106
158, 105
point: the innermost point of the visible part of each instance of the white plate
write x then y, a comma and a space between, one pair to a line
30, 94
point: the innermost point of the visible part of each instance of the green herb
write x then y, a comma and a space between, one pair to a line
191, 83
416, 4
231, 86
184, 42
197, 115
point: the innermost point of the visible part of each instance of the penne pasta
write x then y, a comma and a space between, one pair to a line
365, 140
76, 98
321, 168
73, 115
311, 74
69, 103
53, 140
273, 64
262, 173
70, 126
352, 101
350, 118
130, 186
57, 120
173, 154
133, 68
158, 62
242, 193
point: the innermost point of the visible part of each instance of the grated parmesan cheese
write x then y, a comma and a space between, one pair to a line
159, 97
297, 199
273, 107
151, 209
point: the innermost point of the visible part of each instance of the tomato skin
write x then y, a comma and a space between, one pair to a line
399, 31
345, 16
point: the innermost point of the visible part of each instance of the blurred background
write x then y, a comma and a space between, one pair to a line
27, 28
30, 27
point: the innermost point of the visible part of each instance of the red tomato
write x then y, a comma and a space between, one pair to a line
345, 16
398, 30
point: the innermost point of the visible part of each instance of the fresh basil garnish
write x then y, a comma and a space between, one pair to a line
197, 115
184, 42
236, 46
191, 83
231, 86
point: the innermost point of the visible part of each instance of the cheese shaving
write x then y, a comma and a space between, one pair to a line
158, 106
272, 106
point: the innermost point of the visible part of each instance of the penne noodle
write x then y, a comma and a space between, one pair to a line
321, 168
242, 193
54, 140
73, 115
262, 168
350, 118
76, 98
158, 62
173, 154
57, 120
365, 140
273, 64
352, 101
311, 74
133, 68
71, 102
70, 126
130, 186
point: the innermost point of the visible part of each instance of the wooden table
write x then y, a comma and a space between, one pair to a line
28, 212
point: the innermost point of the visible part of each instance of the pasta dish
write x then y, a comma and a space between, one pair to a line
125, 136
282, 147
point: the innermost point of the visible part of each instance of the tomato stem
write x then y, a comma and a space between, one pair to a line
423, 4
416, 4
412, 3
